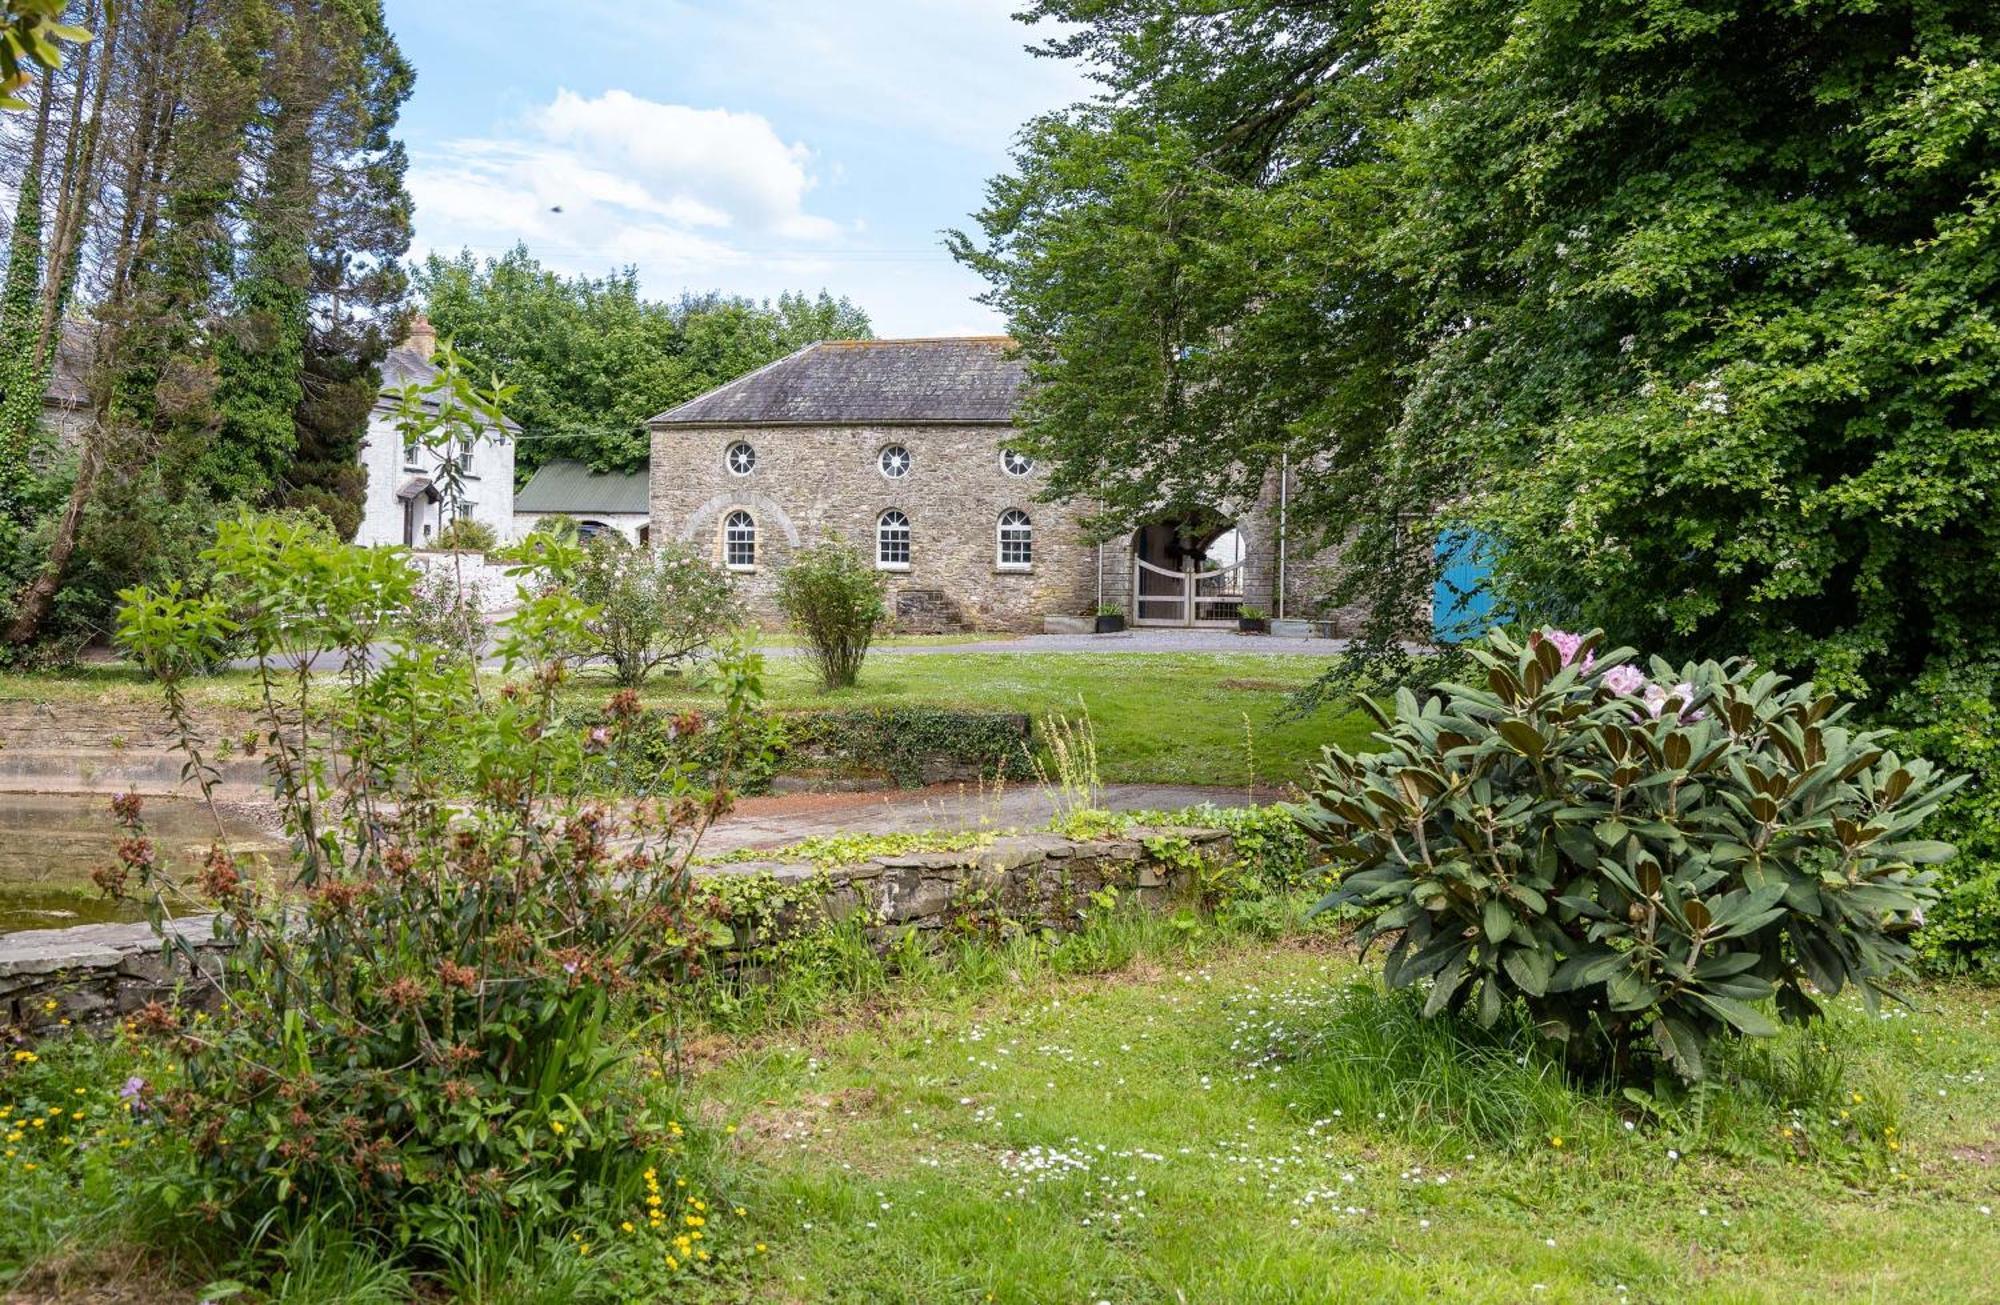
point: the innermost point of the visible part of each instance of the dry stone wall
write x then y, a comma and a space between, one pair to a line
93, 975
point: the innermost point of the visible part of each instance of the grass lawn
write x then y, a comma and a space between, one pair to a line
1169, 718
1188, 1130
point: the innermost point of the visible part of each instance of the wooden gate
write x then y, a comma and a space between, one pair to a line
1186, 597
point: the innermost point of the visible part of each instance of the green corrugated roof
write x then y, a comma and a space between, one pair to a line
574, 488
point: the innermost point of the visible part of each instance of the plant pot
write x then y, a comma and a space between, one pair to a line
1110, 624
1253, 625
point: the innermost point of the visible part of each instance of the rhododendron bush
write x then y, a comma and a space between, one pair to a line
1645, 858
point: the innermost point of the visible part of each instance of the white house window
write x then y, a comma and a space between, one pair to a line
741, 459
894, 461
412, 451
739, 541
892, 540
465, 458
1016, 463
1017, 538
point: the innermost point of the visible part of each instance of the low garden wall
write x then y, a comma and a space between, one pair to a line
92, 975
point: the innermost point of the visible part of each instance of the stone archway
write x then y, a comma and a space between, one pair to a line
1189, 569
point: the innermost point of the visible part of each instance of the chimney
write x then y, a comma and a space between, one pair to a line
423, 337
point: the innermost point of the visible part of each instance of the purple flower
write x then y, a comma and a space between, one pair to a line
133, 1093
1625, 680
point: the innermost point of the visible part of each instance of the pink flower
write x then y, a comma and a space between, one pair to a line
1625, 680
1656, 699
1567, 644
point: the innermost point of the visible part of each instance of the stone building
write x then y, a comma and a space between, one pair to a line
899, 447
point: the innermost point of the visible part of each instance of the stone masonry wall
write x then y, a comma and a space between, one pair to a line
811, 482
92, 975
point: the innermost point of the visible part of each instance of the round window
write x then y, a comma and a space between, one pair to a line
741, 459
895, 462
1015, 463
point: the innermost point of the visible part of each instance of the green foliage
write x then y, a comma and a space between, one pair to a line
1630, 860
834, 601
1950, 718
910, 745
32, 34
1684, 308
465, 535
594, 360
418, 1030
445, 611
654, 607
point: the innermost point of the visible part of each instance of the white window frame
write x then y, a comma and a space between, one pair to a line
729, 457
882, 461
1007, 464
887, 543
1016, 535
733, 534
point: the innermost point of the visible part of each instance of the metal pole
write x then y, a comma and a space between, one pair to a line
1284, 502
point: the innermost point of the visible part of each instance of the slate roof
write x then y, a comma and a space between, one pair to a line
953, 379
573, 488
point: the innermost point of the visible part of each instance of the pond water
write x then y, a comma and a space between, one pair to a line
50, 844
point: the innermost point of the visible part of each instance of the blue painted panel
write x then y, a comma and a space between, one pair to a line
1462, 605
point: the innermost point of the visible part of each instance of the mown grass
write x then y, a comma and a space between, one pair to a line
1163, 718
1252, 1121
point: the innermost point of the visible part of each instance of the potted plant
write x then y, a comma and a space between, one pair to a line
1110, 618
1252, 620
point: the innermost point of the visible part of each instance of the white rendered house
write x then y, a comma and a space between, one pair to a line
404, 503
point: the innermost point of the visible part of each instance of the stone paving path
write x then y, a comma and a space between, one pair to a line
777, 821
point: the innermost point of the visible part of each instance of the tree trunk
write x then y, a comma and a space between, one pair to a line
31, 608
74, 200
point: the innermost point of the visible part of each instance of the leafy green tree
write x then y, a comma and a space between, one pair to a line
593, 360
1687, 307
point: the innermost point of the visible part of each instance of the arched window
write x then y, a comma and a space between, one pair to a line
892, 540
1017, 538
739, 541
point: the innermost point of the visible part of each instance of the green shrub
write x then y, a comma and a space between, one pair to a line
654, 606
1951, 719
833, 599
445, 611
1631, 860
465, 535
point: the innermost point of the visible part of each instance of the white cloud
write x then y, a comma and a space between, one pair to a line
597, 182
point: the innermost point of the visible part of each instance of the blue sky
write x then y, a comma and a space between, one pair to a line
752, 146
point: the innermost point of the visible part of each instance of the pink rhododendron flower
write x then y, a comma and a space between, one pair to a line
1625, 679
1656, 699
1567, 644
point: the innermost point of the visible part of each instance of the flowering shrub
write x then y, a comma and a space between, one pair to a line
1643, 860
833, 598
415, 1028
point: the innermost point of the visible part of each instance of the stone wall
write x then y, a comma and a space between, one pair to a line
92, 975
811, 482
